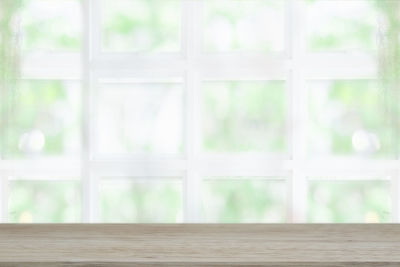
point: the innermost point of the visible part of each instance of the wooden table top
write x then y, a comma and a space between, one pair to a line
200, 245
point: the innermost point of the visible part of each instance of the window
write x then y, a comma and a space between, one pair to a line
199, 111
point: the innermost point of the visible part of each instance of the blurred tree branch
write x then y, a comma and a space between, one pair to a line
9, 62
389, 64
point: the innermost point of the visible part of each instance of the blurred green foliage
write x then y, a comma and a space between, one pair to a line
236, 25
141, 25
9, 61
238, 116
141, 201
332, 27
51, 25
244, 116
243, 200
349, 201
348, 118
45, 118
44, 201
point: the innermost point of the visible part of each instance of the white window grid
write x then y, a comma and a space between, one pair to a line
294, 65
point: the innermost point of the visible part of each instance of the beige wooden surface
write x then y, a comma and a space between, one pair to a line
199, 245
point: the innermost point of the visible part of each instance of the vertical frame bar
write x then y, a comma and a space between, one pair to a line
298, 112
395, 196
3, 197
191, 27
289, 109
90, 14
94, 14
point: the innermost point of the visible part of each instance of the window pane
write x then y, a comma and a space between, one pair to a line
51, 25
349, 201
349, 118
244, 116
237, 25
44, 201
140, 118
141, 200
342, 25
246, 201
141, 25
43, 120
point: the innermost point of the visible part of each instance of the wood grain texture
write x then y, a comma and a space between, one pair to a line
325, 245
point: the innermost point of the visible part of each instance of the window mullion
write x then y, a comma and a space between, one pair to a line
3, 198
89, 183
298, 98
395, 196
191, 46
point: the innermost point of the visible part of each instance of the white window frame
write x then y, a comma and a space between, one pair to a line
295, 66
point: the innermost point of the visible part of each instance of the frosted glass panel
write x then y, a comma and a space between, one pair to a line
141, 201
44, 201
350, 118
237, 25
349, 202
51, 25
45, 120
246, 201
140, 118
342, 25
244, 116
141, 25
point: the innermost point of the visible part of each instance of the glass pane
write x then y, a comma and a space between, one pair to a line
342, 25
44, 201
349, 201
350, 118
140, 118
243, 201
43, 120
244, 116
237, 25
51, 25
141, 25
141, 201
